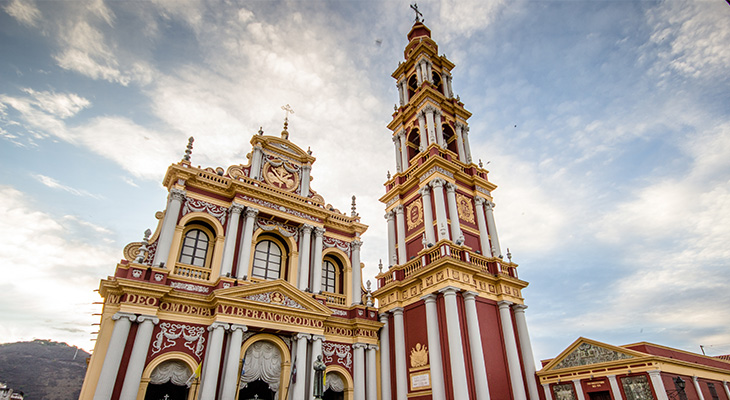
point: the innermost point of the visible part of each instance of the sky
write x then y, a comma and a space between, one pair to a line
605, 124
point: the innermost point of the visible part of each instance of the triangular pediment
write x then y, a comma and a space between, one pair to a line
278, 294
589, 352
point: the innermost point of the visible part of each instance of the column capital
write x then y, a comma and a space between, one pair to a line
243, 328
251, 212
318, 337
218, 324
396, 138
479, 201
504, 304
306, 228
373, 347
355, 244
490, 205
429, 109
459, 125
121, 314
425, 191
150, 318
519, 308
398, 209
389, 216
177, 194
359, 346
429, 298
303, 336
397, 311
470, 295
319, 232
449, 291
383, 317
236, 208
437, 183
450, 187
657, 372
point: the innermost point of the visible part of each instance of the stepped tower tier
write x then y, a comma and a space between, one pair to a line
452, 306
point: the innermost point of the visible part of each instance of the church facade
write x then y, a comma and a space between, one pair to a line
250, 276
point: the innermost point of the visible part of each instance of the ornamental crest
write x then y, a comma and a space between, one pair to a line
419, 356
337, 353
277, 298
463, 205
170, 333
332, 242
414, 214
587, 354
193, 205
281, 174
284, 229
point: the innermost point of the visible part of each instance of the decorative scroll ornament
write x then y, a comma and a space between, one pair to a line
193, 205
170, 333
275, 298
419, 356
151, 250
435, 169
587, 354
269, 225
339, 313
337, 353
281, 208
414, 214
564, 392
332, 242
262, 361
281, 174
464, 207
173, 371
190, 287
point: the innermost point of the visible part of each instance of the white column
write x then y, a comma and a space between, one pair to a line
406, 95
695, 381
445, 83
356, 272
401, 97
456, 234
398, 158
548, 393
256, 158
456, 351
496, 250
427, 214
316, 351
724, 386
467, 148
371, 377
306, 244
112, 358
304, 184
404, 150
475, 345
392, 256
229, 248
212, 361
358, 370
528, 359
401, 374
132, 378
579, 389
482, 224
615, 390
244, 253
164, 242
430, 125
510, 346
402, 255
460, 141
429, 71
442, 226
434, 347
422, 131
656, 380
233, 358
419, 73
451, 90
439, 129
385, 358
317, 267
301, 364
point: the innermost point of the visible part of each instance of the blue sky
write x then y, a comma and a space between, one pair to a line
605, 124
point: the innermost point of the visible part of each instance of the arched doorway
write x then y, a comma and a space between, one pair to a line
168, 381
261, 372
334, 387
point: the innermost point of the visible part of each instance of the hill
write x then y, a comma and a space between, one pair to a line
42, 369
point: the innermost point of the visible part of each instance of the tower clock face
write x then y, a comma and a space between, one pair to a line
281, 177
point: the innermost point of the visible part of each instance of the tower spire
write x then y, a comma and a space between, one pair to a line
285, 133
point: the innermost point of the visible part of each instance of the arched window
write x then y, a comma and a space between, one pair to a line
267, 260
195, 248
329, 277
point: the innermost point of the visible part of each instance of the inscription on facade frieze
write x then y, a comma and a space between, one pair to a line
186, 309
336, 330
587, 354
140, 299
269, 316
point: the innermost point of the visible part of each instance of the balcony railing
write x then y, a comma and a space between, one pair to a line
191, 272
334, 298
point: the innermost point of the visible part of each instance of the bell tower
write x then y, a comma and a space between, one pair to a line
452, 306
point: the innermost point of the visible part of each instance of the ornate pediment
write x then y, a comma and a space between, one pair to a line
278, 293
584, 352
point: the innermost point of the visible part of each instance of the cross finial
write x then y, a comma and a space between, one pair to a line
354, 207
419, 15
287, 108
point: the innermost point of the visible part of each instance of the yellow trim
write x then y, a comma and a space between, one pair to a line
172, 355
349, 391
285, 267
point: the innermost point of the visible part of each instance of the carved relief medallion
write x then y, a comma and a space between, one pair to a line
414, 214
463, 204
280, 176
419, 356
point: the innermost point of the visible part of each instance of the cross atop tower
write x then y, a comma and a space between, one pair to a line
419, 15
287, 108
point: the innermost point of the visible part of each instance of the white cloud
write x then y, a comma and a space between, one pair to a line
48, 275
25, 11
54, 184
61, 105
